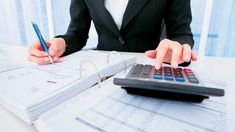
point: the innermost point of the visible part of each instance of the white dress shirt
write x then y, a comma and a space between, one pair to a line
116, 8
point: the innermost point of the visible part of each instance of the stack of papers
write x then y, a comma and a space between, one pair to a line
8, 67
31, 90
110, 108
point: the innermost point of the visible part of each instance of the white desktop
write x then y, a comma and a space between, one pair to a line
219, 70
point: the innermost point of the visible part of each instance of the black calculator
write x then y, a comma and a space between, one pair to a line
179, 83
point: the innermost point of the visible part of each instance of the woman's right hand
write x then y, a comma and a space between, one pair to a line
56, 48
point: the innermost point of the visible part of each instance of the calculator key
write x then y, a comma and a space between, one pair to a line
137, 68
169, 78
177, 72
139, 65
147, 69
168, 74
190, 74
193, 80
167, 71
148, 66
177, 69
180, 79
192, 77
135, 72
158, 72
187, 71
179, 75
144, 73
167, 67
158, 77
134, 75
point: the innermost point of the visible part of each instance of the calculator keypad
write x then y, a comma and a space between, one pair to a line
165, 73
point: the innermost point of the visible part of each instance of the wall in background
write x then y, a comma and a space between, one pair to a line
15, 27
229, 49
222, 24
16, 15
61, 17
219, 28
198, 9
61, 20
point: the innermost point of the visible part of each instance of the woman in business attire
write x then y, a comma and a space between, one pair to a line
126, 25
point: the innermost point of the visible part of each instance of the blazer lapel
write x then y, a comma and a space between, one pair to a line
105, 15
133, 7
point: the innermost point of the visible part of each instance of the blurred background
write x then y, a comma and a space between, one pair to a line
52, 16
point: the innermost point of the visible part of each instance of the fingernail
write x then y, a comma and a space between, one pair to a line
157, 66
174, 64
148, 52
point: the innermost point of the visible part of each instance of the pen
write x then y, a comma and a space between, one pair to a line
42, 41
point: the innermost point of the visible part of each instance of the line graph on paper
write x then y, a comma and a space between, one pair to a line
123, 112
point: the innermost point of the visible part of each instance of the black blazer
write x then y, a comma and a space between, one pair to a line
141, 27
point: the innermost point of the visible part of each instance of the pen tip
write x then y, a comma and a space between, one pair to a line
51, 60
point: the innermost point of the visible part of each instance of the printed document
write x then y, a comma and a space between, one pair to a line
111, 108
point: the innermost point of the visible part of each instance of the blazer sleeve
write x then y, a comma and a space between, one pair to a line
77, 33
178, 18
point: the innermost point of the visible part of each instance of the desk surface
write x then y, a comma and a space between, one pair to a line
220, 69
